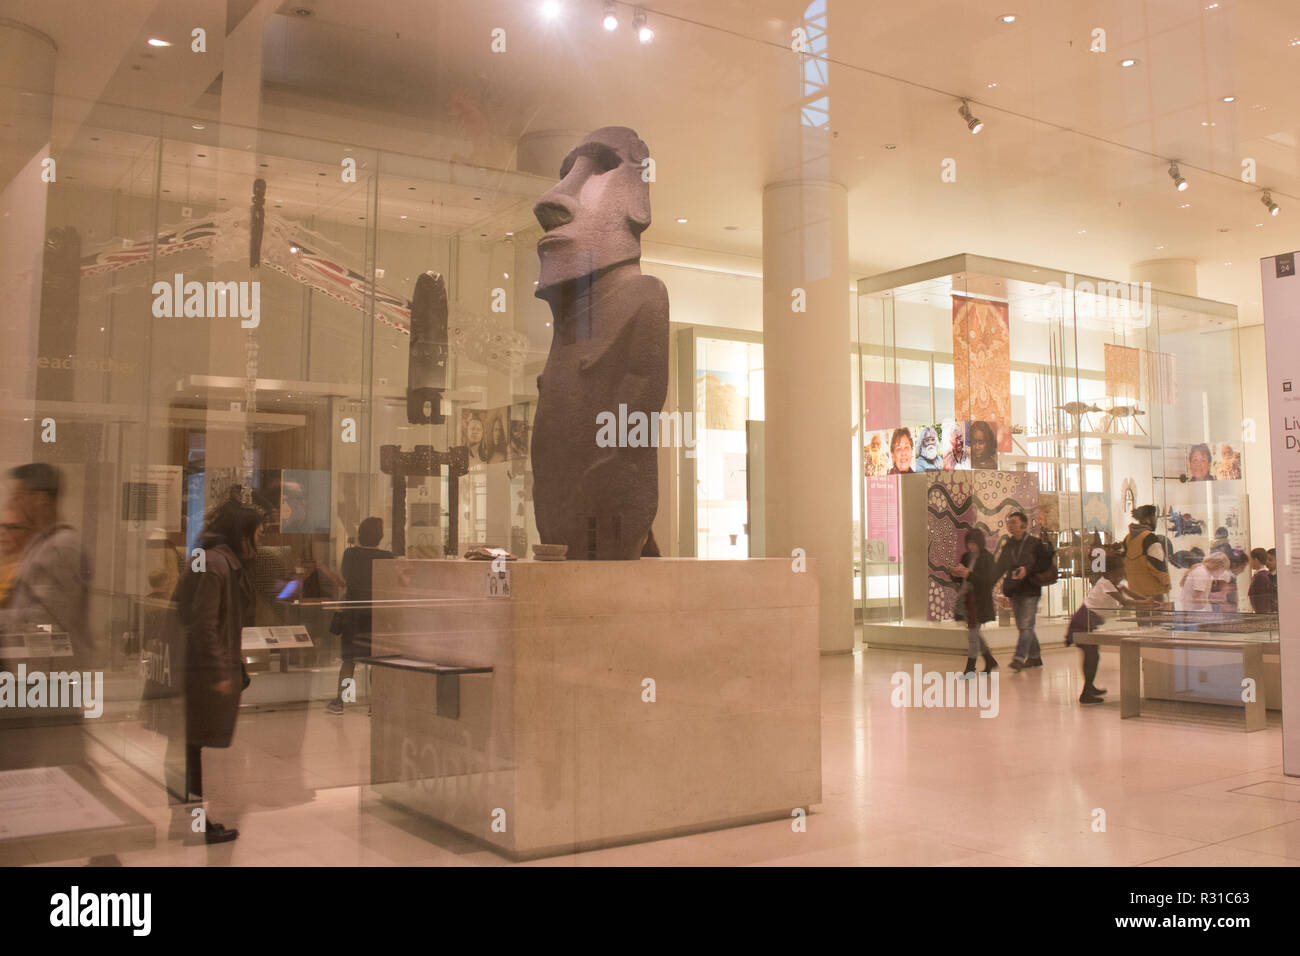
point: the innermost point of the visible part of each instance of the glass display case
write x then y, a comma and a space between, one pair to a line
989, 386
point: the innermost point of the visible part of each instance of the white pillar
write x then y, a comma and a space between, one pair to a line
806, 362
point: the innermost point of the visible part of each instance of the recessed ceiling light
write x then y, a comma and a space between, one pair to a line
402, 217
551, 9
643, 32
1081, 232
1158, 248
991, 86
682, 219
1229, 99
1206, 123
509, 235
889, 146
197, 126
1008, 18
154, 41
1127, 62
1212, 6
1185, 205
1296, 42
302, 12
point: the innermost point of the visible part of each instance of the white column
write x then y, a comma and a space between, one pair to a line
807, 370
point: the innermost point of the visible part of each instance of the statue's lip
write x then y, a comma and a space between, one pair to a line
551, 238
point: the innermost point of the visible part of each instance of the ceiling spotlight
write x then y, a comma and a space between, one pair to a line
1008, 18
611, 16
1177, 177
1229, 99
682, 219
551, 9
1272, 207
154, 41
643, 31
972, 124
197, 126
1127, 62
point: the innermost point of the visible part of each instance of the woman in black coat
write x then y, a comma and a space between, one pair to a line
215, 602
975, 599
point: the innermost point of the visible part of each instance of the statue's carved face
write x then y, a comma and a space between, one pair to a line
595, 214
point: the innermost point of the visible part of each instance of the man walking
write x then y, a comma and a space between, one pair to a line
1025, 561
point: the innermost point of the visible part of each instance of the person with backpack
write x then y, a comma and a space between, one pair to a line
1026, 565
1145, 559
975, 599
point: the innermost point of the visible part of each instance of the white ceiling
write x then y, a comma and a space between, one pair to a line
1069, 172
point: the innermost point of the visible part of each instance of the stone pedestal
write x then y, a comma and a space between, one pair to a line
559, 747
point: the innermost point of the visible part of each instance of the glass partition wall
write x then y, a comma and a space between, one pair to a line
989, 386
241, 321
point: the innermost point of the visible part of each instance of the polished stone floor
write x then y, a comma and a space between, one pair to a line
1183, 785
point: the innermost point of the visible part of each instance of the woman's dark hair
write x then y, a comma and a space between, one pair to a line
900, 433
1203, 448
370, 532
976, 535
236, 523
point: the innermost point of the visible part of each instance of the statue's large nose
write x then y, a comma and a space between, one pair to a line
552, 212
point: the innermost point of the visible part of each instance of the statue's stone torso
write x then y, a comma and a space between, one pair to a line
599, 501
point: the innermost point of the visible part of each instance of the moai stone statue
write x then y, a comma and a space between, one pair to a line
609, 354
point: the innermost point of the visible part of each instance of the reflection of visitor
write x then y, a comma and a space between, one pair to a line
14, 532
215, 604
983, 446
358, 572
1198, 463
51, 588
927, 458
293, 508
900, 450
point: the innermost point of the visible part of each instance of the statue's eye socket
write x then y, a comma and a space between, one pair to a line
601, 159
